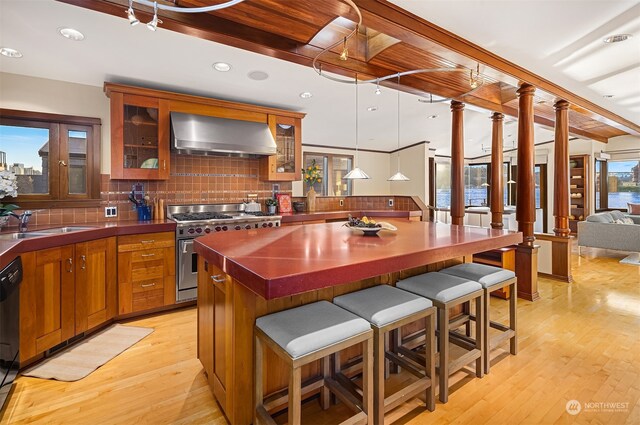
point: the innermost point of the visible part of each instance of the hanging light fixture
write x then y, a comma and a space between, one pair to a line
398, 176
356, 173
153, 24
345, 51
474, 80
378, 87
131, 15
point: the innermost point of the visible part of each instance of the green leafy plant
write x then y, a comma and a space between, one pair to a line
312, 174
271, 202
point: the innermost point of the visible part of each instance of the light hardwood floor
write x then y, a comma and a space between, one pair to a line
580, 341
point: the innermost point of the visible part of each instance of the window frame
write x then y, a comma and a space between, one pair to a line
59, 127
328, 171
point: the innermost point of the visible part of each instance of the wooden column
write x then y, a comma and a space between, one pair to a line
526, 252
497, 180
561, 164
457, 163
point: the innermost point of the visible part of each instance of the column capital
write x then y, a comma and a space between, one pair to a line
497, 116
457, 106
526, 90
561, 105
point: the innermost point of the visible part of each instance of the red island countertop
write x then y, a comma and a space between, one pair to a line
290, 260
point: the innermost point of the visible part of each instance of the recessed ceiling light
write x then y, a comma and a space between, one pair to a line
258, 75
221, 66
617, 38
10, 53
432, 117
372, 108
306, 95
607, 96
71, 34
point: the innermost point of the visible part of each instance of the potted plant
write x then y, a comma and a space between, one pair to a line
311, 175
271, 204
8, 187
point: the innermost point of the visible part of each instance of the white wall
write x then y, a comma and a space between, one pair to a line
375, 164
57, 97
414, 162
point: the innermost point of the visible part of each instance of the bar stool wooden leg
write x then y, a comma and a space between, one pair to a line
378, 374
480, 333
325, 399
513, 305
367, 385
487, 326
295, 387
430, 366
443, 342
395, 341
466, 309
337, 368
257, 376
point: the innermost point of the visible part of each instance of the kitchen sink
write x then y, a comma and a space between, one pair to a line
67, 229
14, 236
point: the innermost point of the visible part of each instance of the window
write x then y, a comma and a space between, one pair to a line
54, 157
600, 189
622, 185
333, 168
443, 185
475, 185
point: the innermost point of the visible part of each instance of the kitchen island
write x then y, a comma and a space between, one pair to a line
262, 271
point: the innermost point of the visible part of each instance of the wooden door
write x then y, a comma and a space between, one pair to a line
47, 298
205, 318
96, 295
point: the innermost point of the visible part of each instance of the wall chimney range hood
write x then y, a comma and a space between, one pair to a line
203, 135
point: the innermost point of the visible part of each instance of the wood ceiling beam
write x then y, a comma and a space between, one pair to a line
550, 124
378, 13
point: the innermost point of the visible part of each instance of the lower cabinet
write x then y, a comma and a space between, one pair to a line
65, 291
146, 271
215, 299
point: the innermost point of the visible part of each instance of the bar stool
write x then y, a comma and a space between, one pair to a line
305, 334
492, 278
388, 309
447, 291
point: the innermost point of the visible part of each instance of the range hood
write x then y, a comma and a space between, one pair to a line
203, 135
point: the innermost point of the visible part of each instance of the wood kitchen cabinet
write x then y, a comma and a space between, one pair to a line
139, 136
146, 271
215, 338
65, 291
286, 164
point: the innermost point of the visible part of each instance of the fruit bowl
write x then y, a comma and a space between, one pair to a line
367, 226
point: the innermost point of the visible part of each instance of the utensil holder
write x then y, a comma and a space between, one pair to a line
144, 212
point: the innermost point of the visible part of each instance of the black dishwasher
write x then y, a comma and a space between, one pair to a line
10, 278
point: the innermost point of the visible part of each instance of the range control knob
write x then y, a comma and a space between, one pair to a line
218, 228
264, 224
248, 226
199, 230
238, 227
270, 224
191, 230
225, 228
207, 230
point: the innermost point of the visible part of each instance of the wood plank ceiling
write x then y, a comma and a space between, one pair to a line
391, 40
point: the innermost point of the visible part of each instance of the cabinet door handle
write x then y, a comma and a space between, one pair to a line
147, 255
146, 285
164, 164
61, 162
70, 262
148, 241
84, 262
218, 278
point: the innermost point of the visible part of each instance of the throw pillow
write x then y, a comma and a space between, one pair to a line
620, 221
633, 208
628, 220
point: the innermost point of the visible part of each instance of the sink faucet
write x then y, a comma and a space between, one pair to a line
24, 219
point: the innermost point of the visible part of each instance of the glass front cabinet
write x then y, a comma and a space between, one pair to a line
139, 137
286, 164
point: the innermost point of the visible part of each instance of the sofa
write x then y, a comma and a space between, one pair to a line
606, 230
632, 214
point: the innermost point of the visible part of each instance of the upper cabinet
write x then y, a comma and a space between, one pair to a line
141, 131
286, 164
139, 137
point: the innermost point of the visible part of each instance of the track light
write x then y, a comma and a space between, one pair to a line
474, 81
345, 51
153, 25
378, 87
133, 21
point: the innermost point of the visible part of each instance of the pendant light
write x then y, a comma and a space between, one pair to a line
398, 176
356, 173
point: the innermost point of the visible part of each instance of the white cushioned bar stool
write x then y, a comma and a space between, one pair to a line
303, 335
492, 278
388, 309
447, 291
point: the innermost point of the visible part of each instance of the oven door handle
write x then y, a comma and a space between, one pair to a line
185, 244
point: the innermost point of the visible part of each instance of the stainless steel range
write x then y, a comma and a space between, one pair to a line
199, 220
